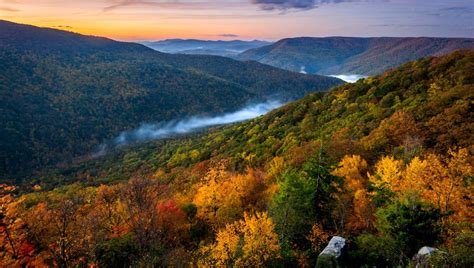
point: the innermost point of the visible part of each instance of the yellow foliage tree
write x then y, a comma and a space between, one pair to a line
276, 166
318, 238
354, 205
443, 182
223, 196
388, 172
251, 242
446, 183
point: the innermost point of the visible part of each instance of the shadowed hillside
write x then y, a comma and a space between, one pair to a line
63, 93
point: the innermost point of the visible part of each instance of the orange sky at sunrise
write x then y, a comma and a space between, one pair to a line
245, 19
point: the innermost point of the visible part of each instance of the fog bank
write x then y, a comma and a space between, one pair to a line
153, 131
349, 78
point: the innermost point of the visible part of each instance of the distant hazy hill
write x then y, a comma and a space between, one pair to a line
63, 93
351, 55
205, 47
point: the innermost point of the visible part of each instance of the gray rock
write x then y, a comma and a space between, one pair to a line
334, 247
422, 258
426, 250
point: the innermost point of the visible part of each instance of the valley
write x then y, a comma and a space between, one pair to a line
64, 94
210, 151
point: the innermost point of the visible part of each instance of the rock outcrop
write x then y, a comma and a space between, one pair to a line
422, 258
328, 257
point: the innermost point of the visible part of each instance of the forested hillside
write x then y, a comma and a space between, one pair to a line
351, 55
63, 93
386, 163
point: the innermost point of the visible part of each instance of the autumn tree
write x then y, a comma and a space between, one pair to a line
108, 217
61, 228
452, 127
354, 209
318, 237
15, 246
250, 242
444, 182
399, 130
141, 198
388, 174
342, 143
222, 197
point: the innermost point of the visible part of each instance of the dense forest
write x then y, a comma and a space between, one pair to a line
63, 94
386, 163
351, 55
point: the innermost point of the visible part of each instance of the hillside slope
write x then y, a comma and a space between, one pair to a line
386, 163
351, 55
63, 93
436, 92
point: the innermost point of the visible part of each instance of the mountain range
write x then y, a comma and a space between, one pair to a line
204, 47
351, 55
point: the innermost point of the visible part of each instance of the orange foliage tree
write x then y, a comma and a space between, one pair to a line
15, 247
318, 238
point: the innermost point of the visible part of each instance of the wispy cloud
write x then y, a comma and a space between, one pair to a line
8, 9
458, 9
170, 4
62, 26
399, 25
229, 35
295, 4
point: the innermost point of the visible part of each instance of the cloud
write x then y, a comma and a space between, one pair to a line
457, 11
147, 3
284, 5
62, 26
171, 4
398, 25
229, 35
9, 9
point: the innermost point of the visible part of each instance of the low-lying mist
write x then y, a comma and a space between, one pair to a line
349, 78
153, 131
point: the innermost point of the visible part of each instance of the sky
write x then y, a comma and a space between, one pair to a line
139, 20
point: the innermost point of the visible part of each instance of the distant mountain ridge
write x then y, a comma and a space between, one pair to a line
229, 48
351, 55
62, 94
